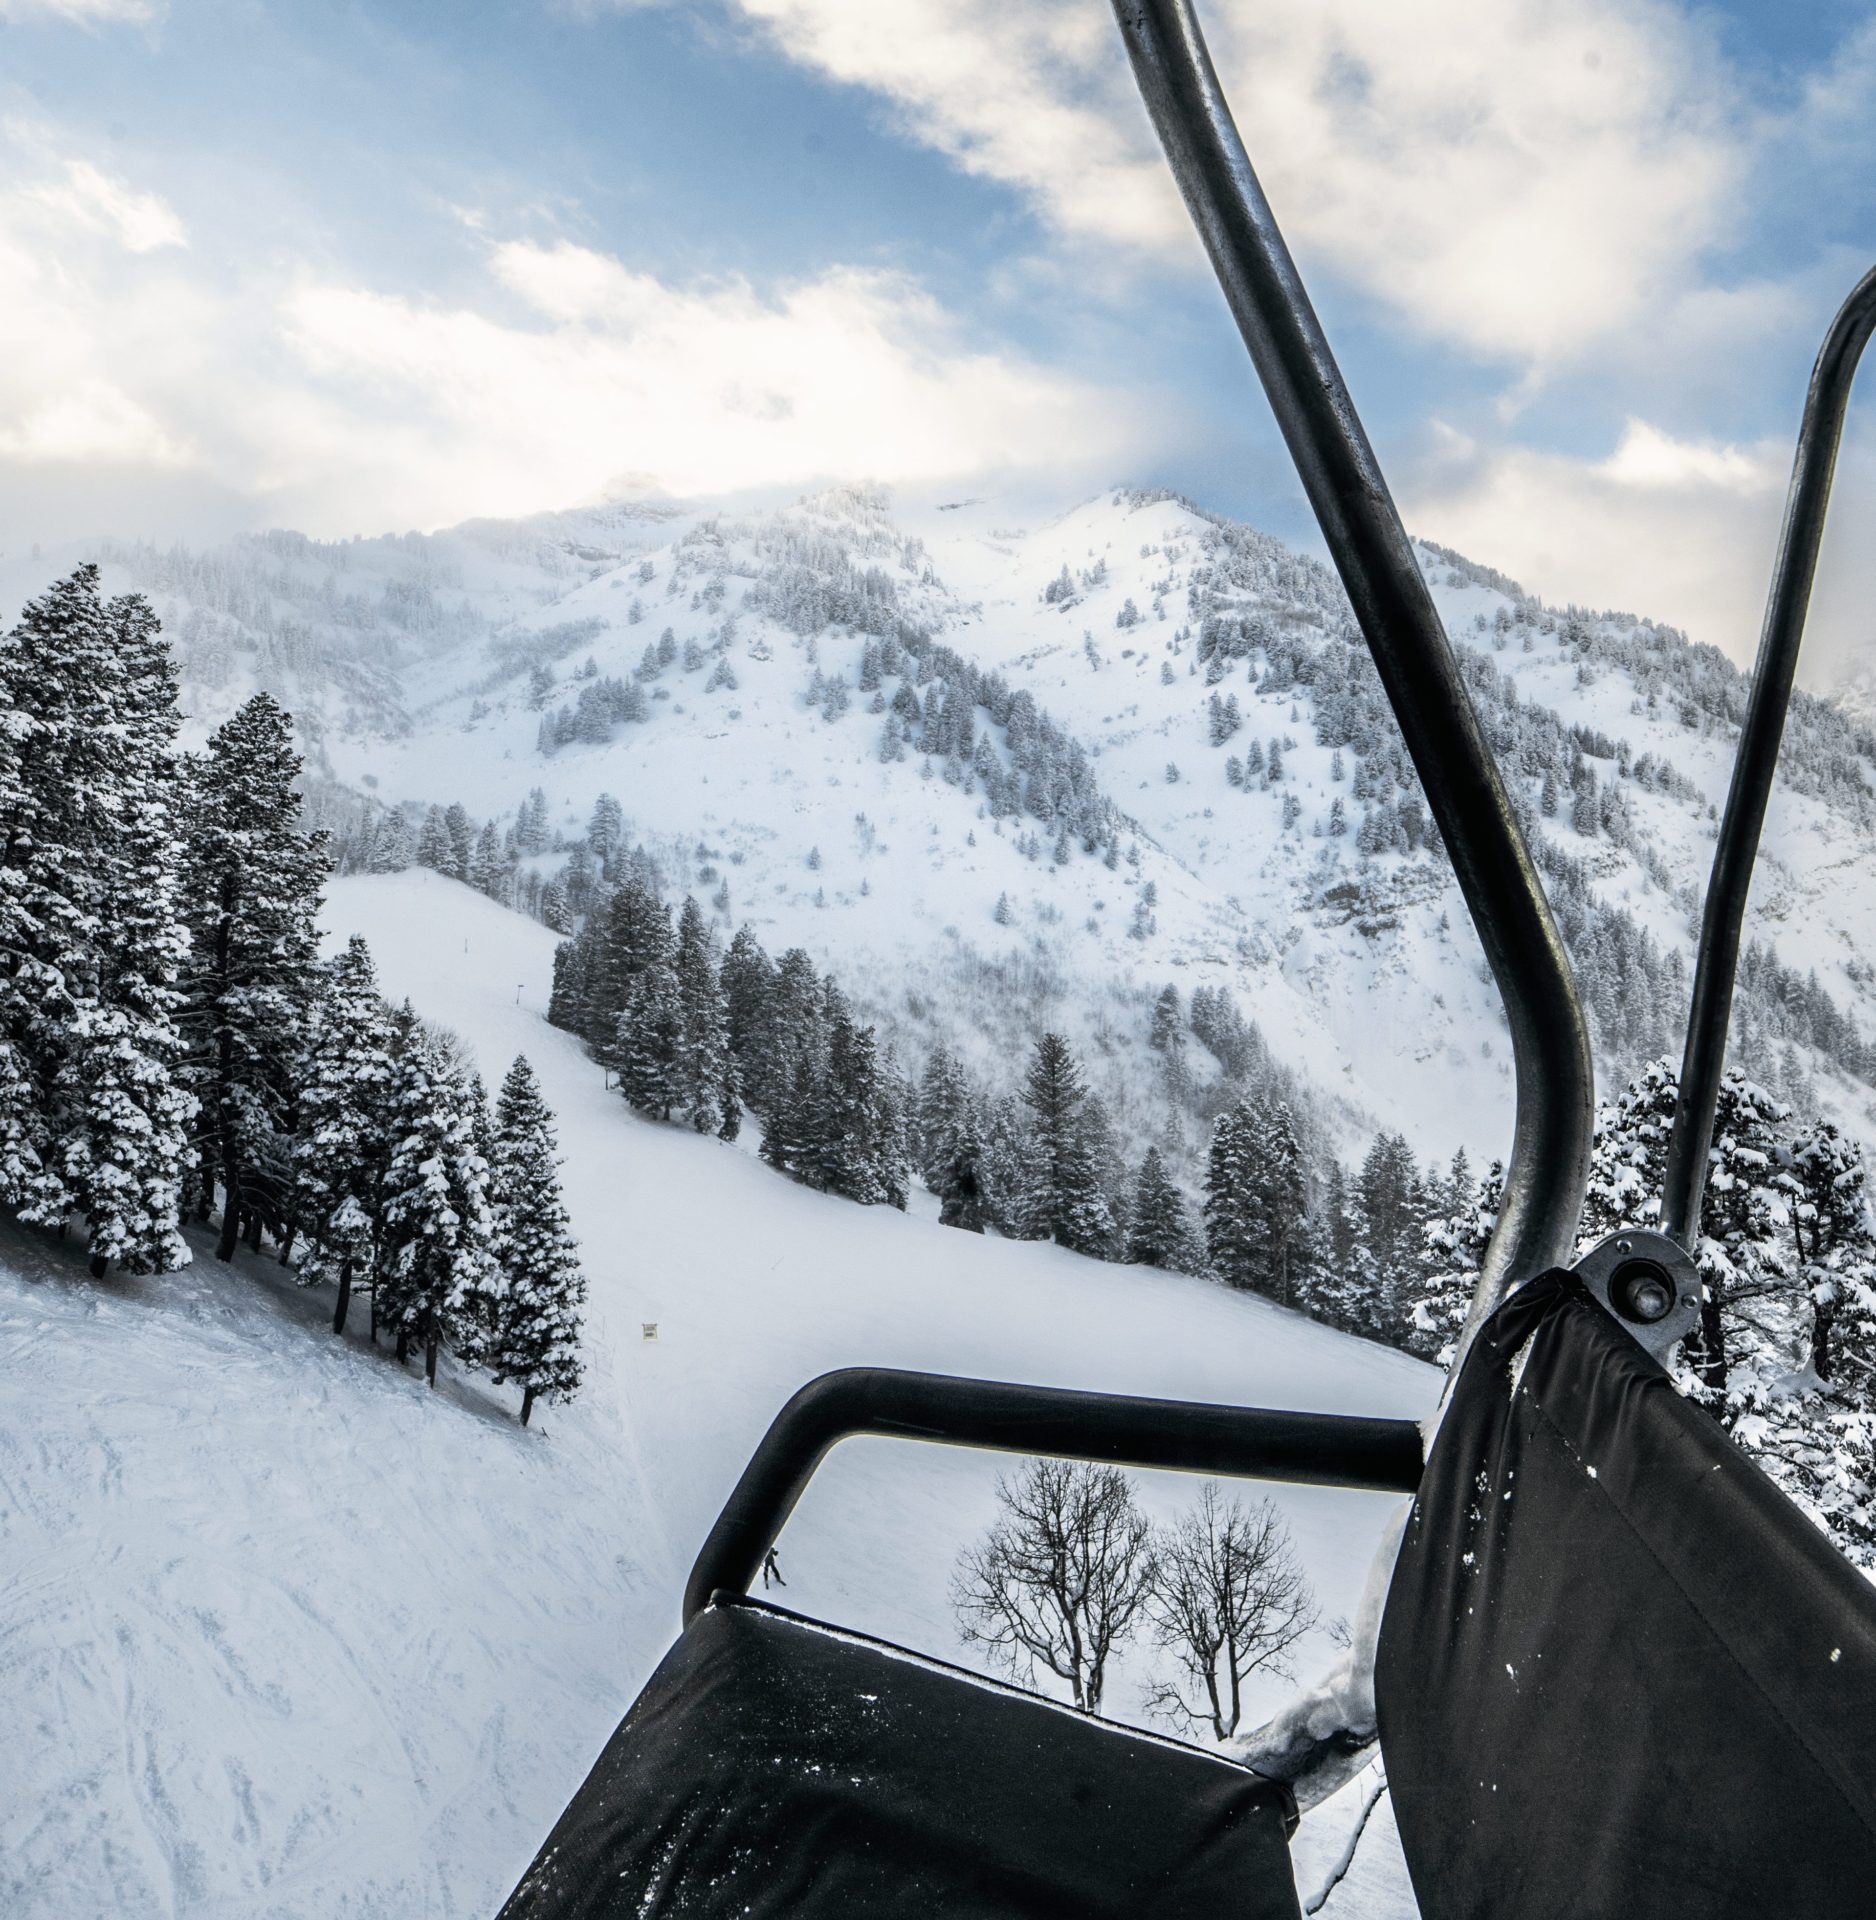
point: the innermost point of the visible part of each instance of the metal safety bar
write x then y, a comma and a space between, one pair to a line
1757, 759
1547, 1168
1254, 1443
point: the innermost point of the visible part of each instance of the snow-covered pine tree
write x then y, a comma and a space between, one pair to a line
343, 1145
631, 934
390, 840
434, 846
959, 1180
566, 998
115, 1114
537, 1339
250, 894
943, 1105
1284, 1197
461, 839
1065, 1198
1831, 1227
605, 831
701, 1072
790, 1058
842, 1152
747, 978
438, 1229
647, 1040
1456, 1238
1159, 1235
52, 669
1391, 1212
1008, 1171
1233, 1226
890, 1128
488, 867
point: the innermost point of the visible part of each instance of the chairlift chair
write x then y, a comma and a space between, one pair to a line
1618, 1672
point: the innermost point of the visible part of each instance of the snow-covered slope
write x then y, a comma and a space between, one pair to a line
283, 1635
408, 661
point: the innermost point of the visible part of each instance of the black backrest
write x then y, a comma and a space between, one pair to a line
1619, 1672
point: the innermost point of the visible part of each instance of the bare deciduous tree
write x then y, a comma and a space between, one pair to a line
1226, 1596
1059, 1579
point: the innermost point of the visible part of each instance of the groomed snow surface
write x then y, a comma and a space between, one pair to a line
282, 1634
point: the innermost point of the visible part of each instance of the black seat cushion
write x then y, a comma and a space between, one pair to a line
776, 1767
1619, 1672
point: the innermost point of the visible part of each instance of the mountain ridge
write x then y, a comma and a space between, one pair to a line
1137, 650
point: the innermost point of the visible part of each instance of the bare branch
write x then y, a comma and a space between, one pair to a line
1057, 1582
1227, 1597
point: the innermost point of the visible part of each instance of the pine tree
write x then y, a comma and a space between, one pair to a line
434, 846
791, 1057
438, 1230
1159, 1235
842, 1152
647, 1041
701, 1071
1066, 1200
748, 981
95, 866
343, 1149
566, 998
390, 841
633, 933
1009, 1171
1457, 1236
943, 1106
959, 1179
1392, 1214
488, 868
54, 670
605, 831
250, 894
461, 839
1233, 1229
537, 1338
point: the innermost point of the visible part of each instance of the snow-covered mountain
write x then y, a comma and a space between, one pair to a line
1120, 662
285, 1636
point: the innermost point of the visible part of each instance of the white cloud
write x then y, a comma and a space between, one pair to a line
1517, 176
139, 222
1647, 457
1682, 532
708, 388
339, 406
91, 423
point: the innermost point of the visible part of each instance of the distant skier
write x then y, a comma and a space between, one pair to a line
771, 1573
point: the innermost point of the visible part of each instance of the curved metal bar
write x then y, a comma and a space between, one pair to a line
1757, 759
1548, 1165
1309, 1449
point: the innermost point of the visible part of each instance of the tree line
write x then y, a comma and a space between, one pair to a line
173, 1051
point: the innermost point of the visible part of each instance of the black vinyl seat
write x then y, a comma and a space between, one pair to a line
1619, 1672
775, 1767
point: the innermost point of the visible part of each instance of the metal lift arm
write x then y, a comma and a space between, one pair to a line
1547, 1169
1757, 759
1307, 1449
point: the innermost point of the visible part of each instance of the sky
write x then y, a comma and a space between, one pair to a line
355, 266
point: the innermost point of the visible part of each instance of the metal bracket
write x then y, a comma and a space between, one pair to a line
1647, 1284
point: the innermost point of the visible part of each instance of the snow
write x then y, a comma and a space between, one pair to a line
285, 1635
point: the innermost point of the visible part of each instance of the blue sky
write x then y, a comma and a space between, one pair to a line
350, 264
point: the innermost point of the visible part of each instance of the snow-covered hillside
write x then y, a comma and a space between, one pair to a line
284, 1635
1155, 649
